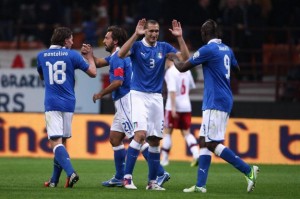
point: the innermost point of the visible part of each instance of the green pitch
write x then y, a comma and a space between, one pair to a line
24, 177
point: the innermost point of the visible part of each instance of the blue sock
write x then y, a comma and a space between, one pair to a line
132, 155
56, 171
203, 167
145, 153
119, 157
235, 161
63, 158
153, 165
161, 170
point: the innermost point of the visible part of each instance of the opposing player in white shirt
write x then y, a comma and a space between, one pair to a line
217, 61
178, 112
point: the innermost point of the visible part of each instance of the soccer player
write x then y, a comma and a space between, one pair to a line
148, 61
217, 60
120, 79
56, 66
119, 76
178, 112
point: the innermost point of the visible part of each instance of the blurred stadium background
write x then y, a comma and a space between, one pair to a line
264, 34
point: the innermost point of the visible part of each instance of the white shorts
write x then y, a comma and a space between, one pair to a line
122, 118
147, 113
59, 124
214, 125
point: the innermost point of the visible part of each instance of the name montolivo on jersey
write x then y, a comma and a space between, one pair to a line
56, 54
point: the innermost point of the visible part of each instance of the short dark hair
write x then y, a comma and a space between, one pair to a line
59, 35
118, 33
150, 21
210, 28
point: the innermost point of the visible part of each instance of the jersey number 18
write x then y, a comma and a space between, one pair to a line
57, 72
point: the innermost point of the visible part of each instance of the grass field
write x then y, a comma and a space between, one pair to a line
23, 178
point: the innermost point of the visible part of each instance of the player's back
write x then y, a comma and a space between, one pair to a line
216, 72
58, 67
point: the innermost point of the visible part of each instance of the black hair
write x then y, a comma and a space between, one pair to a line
210, 29
59, 35
118, 33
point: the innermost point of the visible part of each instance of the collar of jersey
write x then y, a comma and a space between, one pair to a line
146, 43
218, 41
117, 49
56, 47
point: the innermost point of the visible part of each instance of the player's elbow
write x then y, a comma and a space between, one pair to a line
118, 83
92, 73
181, 70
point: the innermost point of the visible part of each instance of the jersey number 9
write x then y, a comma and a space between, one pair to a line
227, 66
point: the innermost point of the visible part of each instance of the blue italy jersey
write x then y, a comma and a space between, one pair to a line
120, 69
216, 59
148, 64
57, 65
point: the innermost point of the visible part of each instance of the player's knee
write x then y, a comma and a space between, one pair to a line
153, 140
115, 141
211, 146
140, 137
202, 143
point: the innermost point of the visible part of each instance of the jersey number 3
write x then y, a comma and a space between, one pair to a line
57, 72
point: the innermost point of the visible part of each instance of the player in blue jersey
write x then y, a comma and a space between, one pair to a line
148, 63
120, 79
217, 61
56, 66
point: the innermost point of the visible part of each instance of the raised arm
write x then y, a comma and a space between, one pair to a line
100, 62
139, 30
176, 30
182, 66
92, 70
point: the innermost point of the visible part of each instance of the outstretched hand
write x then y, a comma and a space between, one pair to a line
176, 28
140, 30
85, 49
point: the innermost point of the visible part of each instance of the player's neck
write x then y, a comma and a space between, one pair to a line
117, 48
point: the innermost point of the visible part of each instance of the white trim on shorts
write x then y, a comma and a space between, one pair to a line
59, 124
214, 123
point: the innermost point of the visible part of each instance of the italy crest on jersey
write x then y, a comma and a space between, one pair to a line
159, 55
